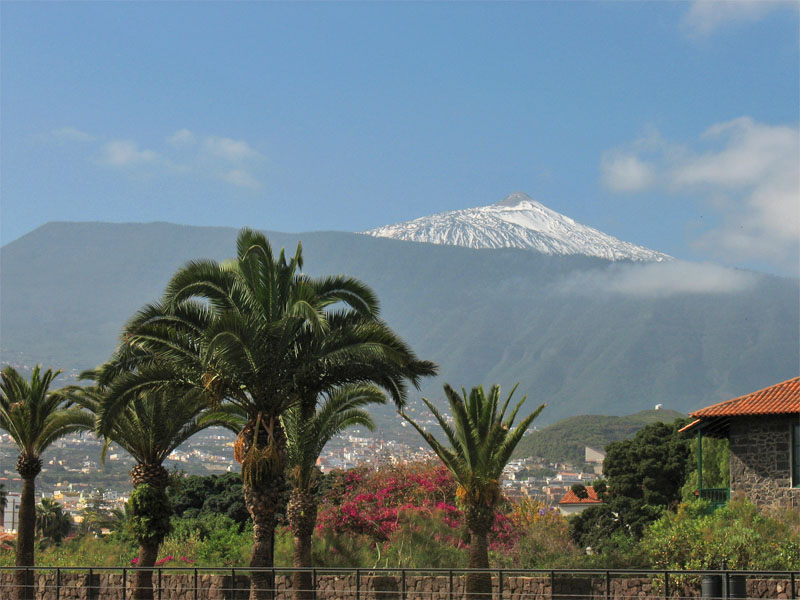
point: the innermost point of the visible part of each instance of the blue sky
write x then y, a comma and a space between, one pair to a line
673, 125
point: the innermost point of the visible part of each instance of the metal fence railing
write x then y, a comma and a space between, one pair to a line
201, 583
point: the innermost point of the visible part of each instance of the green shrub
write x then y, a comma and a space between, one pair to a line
739, 533
209, 541
81, 551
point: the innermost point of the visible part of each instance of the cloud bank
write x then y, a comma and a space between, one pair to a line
746, 172
660, 280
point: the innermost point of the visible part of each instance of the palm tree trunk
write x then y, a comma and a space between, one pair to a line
479, 585
262, 502
151, 507
143, 580
26, 532
302, 515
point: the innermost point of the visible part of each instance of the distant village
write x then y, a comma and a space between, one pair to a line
74, 475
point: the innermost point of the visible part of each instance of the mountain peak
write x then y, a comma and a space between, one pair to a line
516, 221
515, 199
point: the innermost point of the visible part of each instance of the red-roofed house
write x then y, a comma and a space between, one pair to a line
570, 504
763, 429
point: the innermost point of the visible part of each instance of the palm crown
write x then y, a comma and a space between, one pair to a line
155, 422
33, 416
307, 437
481, 442
232, 329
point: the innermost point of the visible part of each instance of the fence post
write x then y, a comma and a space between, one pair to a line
233, 583
666, 585
124, 583
58, 584
450, 584
159, 583
552, 584
725, 580
358, 584
794, 592
500, 583
196, 592
608, 585
403, 584
89, 584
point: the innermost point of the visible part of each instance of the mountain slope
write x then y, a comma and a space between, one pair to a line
518, 221
565, 440
486, 316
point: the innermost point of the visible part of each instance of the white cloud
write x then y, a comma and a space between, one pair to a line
705, 16
182, 137
748, 173
754, 152
241, 178
71, 134
229, 149
182, 154
626, 172
124, 153
659, 280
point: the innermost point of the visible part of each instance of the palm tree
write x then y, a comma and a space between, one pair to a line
150, 427
480, 446
52, 523
358, 352
34, 417
257, 334
306, 437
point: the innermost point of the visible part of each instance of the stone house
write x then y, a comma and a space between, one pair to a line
763, 430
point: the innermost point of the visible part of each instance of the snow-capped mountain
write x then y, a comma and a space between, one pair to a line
517, 221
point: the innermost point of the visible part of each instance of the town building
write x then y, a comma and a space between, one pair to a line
570, 504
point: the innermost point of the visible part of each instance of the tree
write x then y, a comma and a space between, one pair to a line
150, 427
52, 523
644, 477
248, 333
580, 491
480, 446
34, 417
306, 438
358, 352
199, 495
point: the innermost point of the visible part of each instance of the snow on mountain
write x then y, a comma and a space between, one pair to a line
517, 221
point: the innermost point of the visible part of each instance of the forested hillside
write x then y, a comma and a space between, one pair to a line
565, 440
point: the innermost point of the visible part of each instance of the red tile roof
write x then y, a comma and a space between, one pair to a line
571, 498
780, 398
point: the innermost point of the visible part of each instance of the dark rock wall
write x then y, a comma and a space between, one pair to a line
181, 586
761, 465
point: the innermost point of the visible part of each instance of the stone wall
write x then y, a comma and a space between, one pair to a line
179, 586
761, 460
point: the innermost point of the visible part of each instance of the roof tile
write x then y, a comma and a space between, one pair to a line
571, 498
780, 398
